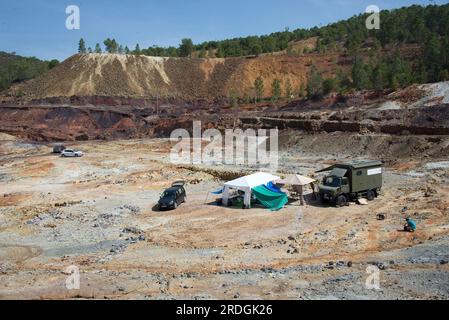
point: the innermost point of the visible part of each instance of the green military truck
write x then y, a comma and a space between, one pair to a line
351, 181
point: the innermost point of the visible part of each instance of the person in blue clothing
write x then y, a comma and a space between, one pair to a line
410, 226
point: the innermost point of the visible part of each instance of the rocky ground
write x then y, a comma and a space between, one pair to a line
97, 213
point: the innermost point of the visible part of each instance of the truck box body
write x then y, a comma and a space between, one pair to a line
363, 175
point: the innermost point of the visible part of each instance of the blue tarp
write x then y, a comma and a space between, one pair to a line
218, 192
272, 187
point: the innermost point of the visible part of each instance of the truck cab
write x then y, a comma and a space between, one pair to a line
335, 183
350, 181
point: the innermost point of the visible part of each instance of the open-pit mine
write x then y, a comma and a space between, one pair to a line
97, 214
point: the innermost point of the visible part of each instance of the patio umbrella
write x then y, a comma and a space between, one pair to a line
296, 180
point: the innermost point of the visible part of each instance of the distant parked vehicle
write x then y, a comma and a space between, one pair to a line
58, 148
71, 153
173, 197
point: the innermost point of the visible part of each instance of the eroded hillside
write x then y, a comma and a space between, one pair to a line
188, 79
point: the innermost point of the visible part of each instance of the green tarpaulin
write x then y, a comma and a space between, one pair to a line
271, 200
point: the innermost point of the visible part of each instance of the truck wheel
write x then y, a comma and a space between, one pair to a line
370, 195
322, 200
341, 201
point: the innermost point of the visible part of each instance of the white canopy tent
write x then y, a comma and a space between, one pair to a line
247, 183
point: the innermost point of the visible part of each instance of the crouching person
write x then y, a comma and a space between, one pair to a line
410, 226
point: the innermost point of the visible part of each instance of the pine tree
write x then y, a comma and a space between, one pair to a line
111, 45
393, 82
444, 53
203, 53
360, 76
276, 90
259, 88
315, 84
319, 46
137, 49
329, 85
246, 98
343, 82
288, 90
380, 76
420, 75
256, 49
81, 46
220, 52
401, 73
444, 75
97, 48
53, 63
186, 48
233, 99
432, 55
301, 90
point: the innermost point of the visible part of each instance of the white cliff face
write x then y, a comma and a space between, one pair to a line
440, 89
158, 63
437, 93
137, 71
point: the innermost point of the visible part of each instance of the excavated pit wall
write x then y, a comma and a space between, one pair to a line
424, 121
59, 123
